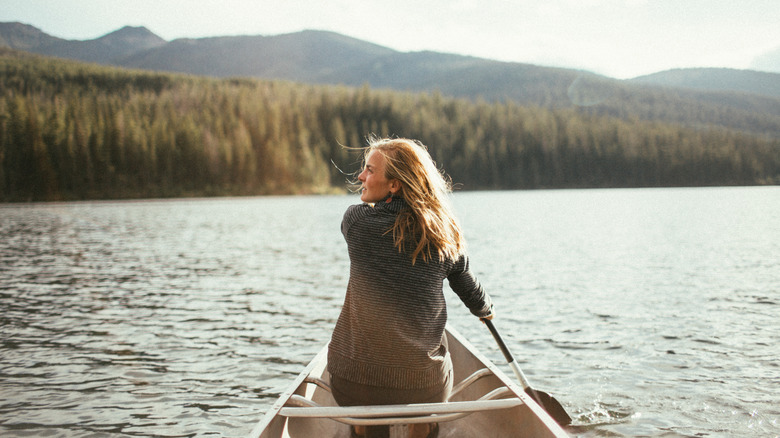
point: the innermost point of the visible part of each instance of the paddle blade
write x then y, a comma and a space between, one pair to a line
551, 405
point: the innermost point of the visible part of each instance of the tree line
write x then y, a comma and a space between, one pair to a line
77, 131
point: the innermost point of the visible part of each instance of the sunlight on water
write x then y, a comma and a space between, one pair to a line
645, 312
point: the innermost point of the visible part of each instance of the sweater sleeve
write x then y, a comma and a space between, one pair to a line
466, 285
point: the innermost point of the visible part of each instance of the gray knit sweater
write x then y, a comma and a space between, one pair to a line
390, 330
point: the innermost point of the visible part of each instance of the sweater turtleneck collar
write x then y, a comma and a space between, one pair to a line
391, 203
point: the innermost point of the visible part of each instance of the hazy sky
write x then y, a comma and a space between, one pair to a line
617, 38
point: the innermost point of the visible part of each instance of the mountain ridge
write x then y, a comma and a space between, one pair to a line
126, 46
20, 36
749, 81
325, 57
300, 56
108, 49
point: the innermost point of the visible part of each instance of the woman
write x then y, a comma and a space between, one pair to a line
388, 346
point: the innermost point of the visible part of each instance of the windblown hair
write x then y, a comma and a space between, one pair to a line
428, 224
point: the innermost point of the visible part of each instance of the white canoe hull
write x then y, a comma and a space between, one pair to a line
511, 414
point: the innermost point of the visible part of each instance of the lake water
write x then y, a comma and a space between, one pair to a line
652, 312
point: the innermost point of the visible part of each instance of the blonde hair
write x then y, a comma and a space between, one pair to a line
428, 222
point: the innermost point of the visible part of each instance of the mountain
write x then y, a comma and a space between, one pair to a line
460, 76
716, 79
304, 56
108, 49
742, 100
310, 56
330, 58
20, 36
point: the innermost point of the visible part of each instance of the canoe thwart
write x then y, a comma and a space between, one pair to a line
299, 406
399, 414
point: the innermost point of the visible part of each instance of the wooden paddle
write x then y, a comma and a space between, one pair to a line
545, 400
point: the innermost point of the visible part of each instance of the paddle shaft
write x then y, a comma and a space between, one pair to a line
507, 354
513, 363
546, 401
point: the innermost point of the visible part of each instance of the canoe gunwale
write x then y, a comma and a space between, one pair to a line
314, 379
269, 416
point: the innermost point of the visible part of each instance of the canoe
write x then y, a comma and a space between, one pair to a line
484, 403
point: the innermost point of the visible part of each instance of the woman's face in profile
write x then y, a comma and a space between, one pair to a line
374, 184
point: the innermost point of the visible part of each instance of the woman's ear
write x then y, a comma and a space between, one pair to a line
395, 186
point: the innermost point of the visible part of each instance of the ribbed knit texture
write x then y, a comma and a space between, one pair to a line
390, 330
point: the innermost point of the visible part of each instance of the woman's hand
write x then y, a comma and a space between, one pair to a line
489, 317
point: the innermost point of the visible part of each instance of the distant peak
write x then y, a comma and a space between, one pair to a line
133, 32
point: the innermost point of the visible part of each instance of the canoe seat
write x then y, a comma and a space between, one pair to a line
301, 407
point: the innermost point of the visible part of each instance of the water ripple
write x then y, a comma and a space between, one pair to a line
651, 315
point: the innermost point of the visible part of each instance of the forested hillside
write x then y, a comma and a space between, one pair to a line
79, 131
715, 79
